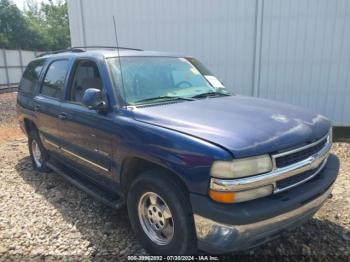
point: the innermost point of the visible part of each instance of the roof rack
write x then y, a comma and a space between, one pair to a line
60, 51
106, 47
78, 49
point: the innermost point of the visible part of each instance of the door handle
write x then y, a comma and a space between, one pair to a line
62, 116
37, 108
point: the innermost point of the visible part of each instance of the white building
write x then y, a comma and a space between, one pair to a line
292, 50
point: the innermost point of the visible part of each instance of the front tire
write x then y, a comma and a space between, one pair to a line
160, 214
38, 153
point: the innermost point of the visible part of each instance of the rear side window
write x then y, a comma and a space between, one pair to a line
55, 77
31, 76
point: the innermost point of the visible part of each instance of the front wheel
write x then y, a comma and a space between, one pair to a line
160, 214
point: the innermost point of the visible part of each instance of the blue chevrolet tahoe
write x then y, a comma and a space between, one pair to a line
196, 166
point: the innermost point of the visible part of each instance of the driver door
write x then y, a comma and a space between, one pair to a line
84, 145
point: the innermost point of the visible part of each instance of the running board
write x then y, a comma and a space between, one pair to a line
109, 199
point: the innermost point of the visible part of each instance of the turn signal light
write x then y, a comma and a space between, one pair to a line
240, 196
222, 196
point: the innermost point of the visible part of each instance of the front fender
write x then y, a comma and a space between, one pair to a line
190, 158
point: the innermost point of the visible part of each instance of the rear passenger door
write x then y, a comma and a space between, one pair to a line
48, 102
83, 142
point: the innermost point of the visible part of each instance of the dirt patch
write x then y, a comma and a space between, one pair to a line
10, 133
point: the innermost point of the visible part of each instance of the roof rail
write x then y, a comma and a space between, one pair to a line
106, 47
60, 51
81, 49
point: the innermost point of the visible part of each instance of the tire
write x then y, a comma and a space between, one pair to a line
157, 183
34, 144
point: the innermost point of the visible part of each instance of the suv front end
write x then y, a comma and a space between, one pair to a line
247, 210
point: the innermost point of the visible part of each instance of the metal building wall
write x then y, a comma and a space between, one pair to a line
12, 65
293, 50
305, 55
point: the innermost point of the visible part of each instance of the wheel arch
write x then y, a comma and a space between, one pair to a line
132, 167
29, 125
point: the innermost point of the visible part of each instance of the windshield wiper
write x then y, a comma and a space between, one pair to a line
164, 98
210, 94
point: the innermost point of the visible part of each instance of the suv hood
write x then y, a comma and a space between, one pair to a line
246, 126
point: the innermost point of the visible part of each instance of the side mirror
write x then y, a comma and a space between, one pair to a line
93, 100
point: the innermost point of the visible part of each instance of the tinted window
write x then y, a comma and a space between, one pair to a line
31, 76
54, 79
86, 76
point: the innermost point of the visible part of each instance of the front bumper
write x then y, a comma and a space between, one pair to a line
222, 228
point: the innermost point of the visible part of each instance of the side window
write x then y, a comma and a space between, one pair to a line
31, 76
53, 85
86, 76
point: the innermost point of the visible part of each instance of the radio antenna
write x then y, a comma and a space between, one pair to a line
120, 63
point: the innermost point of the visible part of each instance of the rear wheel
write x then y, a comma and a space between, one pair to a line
38, 153
160, 214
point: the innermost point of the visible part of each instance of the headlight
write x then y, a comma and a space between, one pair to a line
241, 167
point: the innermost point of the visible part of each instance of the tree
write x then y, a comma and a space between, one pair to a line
51, 22
39, 27
14, 32
57, 24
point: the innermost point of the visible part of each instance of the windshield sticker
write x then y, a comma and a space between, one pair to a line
195, 71
214, 81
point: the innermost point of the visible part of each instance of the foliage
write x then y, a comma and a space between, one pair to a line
38, 27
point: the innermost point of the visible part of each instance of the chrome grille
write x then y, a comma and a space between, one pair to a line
294, 179
284, 184
293, 158
298, 155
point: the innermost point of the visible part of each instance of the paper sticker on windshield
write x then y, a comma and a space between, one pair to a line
214, 81
195, 71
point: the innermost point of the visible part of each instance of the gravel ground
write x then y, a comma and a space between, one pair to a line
43, 217
8, 123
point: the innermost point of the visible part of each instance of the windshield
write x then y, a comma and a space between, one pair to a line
150, 79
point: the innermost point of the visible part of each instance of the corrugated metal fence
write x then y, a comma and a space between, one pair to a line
12, 65
295, 51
